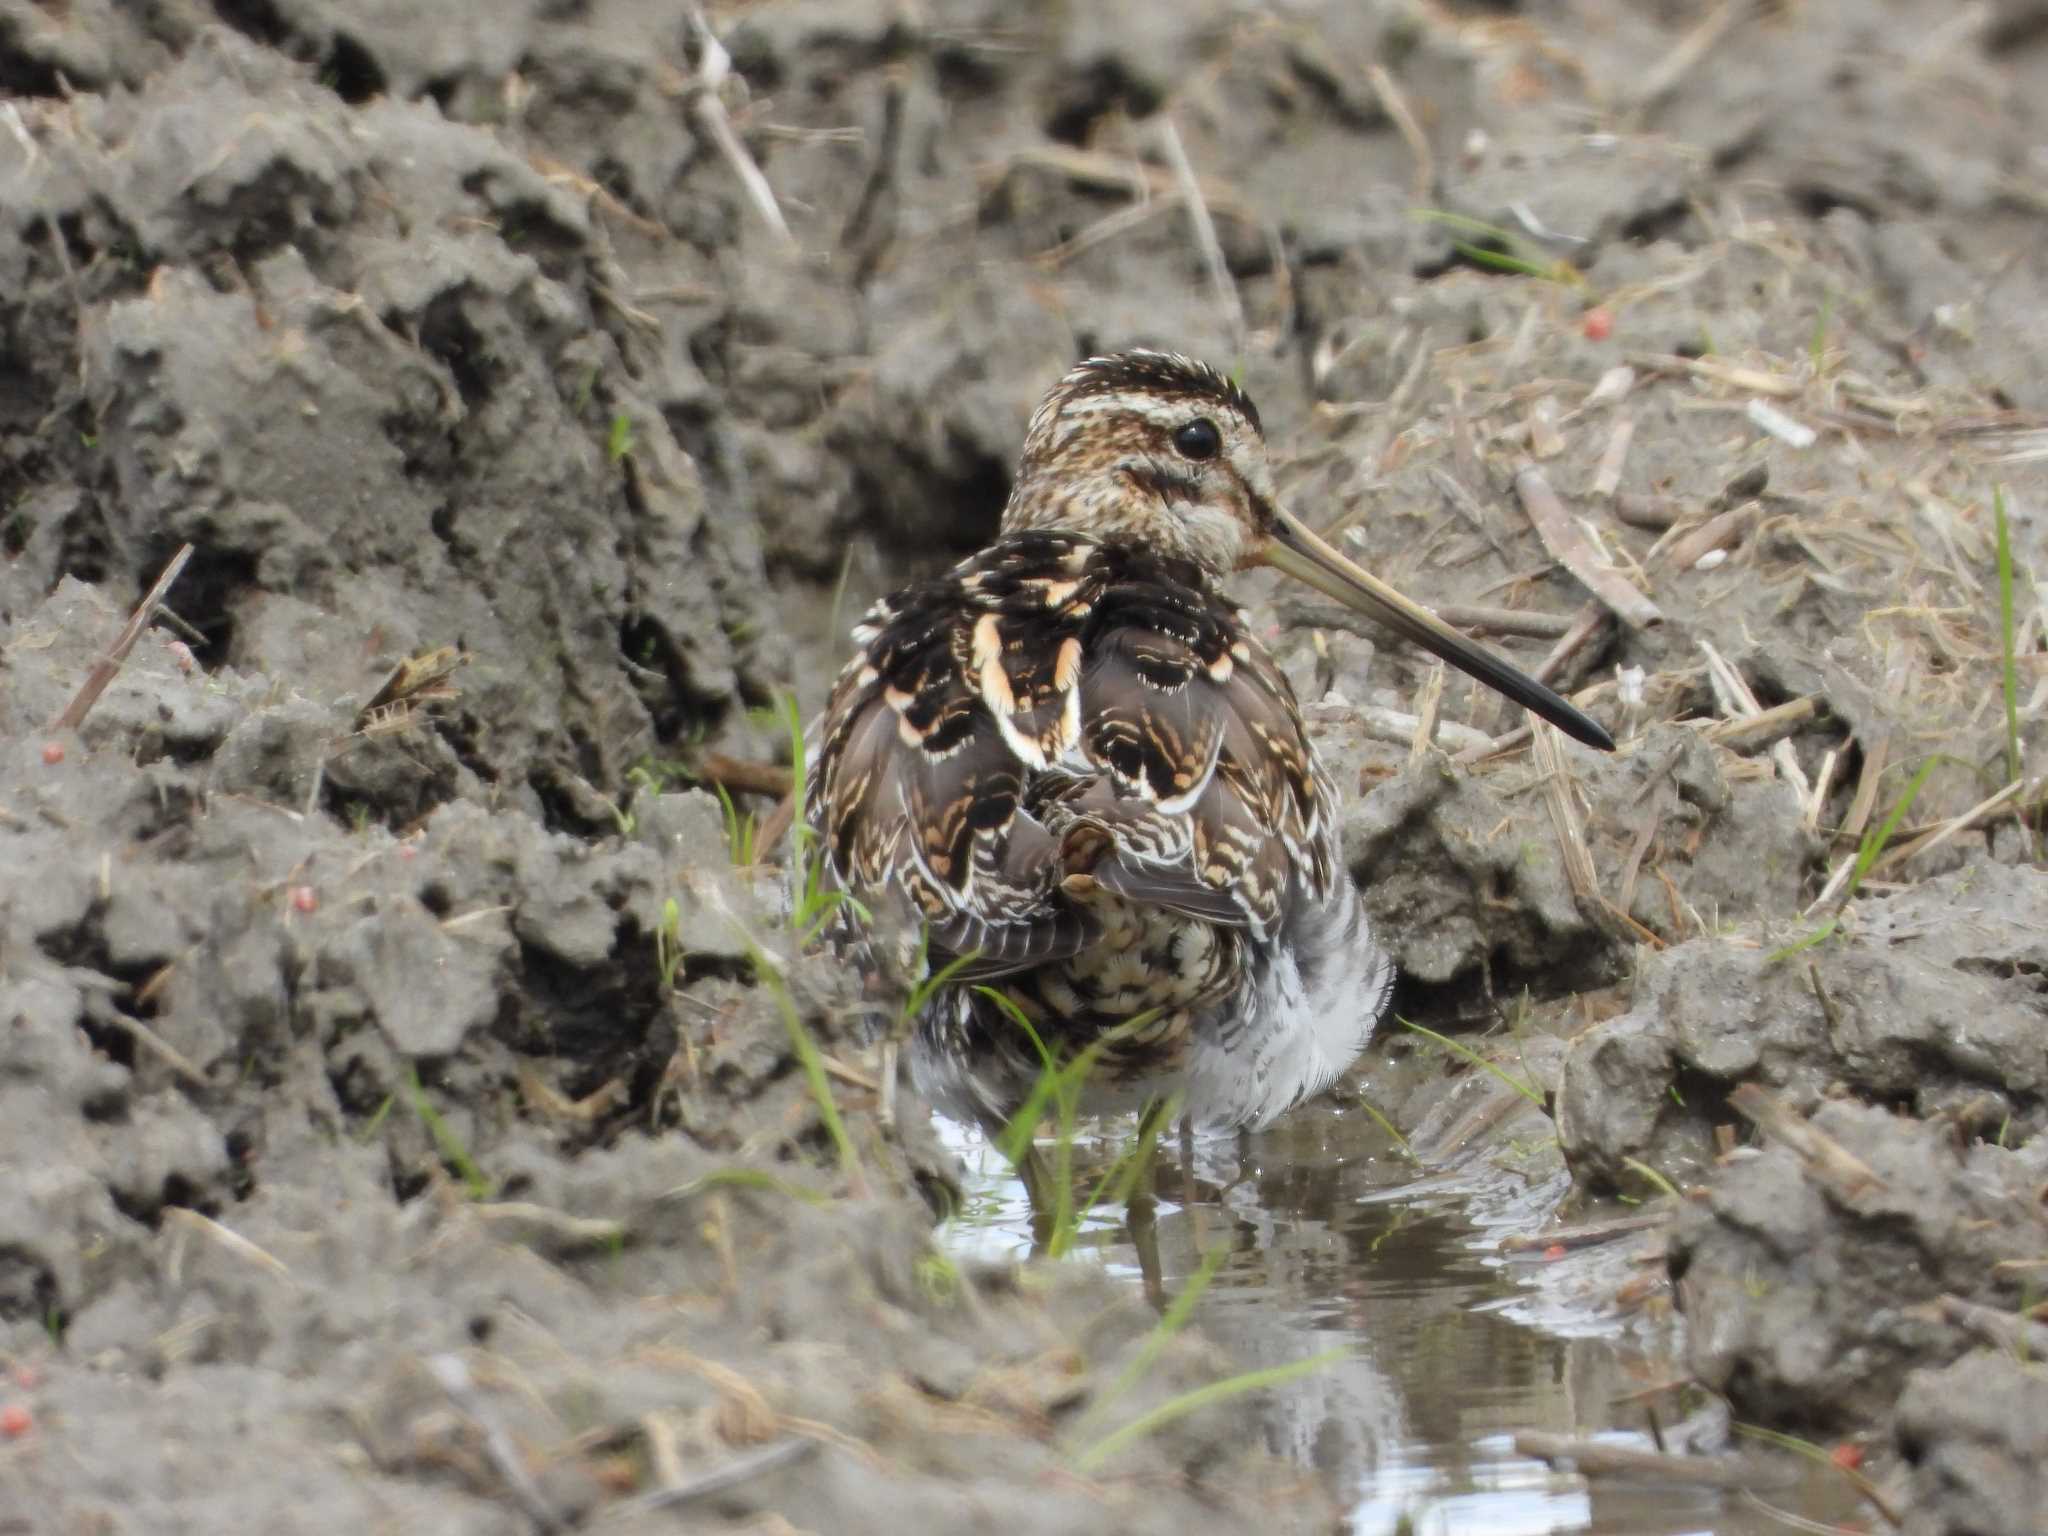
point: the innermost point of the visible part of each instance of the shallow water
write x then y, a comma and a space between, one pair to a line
1331, 1239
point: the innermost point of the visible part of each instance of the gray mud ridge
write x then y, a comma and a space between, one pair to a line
246, 1046
1879, 1274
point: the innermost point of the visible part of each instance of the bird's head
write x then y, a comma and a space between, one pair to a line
1150, 449
1158, 451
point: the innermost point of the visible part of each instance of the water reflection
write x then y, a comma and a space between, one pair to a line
1332, 1238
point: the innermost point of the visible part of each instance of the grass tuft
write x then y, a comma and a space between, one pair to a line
446, 1142
1870, 851
668, 944
1057, 1090
740, 828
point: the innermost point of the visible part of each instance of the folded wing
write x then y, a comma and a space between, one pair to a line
1056, 720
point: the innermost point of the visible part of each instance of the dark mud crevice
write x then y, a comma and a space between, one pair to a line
682, 709
352, 71
22, 74
211, 588
256, 19
446, 333
28, 1290
1487, 997
1671, 220
146, 1207
1816, 200
1088, 95
611, 1015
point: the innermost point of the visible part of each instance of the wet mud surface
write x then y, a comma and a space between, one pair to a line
404, 1115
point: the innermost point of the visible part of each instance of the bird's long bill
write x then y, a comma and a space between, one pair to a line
1295, 549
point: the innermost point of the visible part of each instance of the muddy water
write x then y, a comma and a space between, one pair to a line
1332, 1239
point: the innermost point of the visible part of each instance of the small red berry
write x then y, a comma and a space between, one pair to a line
305, 899
1598, 323
53, 753
15, 1421
1554, 1252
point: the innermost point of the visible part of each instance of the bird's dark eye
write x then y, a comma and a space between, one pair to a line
1198, 439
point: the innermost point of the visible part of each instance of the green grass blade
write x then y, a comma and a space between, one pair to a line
1170, 1323
1501, 261
2006, 632
1393, 1131
446, 1142
745, 1178
1874, 844
1459, 1048
813, 1065
1799, 946
1200, 1398
1663, 1185
1017, 1136
933, 981
1464, 224
1128, 1172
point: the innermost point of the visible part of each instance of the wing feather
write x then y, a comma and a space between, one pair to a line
1054, 720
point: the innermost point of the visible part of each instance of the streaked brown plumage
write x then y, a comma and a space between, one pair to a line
1070, 758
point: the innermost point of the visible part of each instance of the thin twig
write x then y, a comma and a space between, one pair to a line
1397, 727
1395, 105
1823, 785
1564, 817
1595, 1458
1714, 370
109, 665
228, 1239
1473, 618
1568, 546
710, 113
739, 1470
1819, 1151
522, 1221
1607, 479
740, 777
1589, 1235
1936, 836
1427, 703
1205, 228
1749, 732
452, 1373
1720, 532
1687, 54
1737, 700
169, 1054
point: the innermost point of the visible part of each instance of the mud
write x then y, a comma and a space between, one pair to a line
377, 1141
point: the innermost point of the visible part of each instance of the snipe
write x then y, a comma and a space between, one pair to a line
1070, 758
